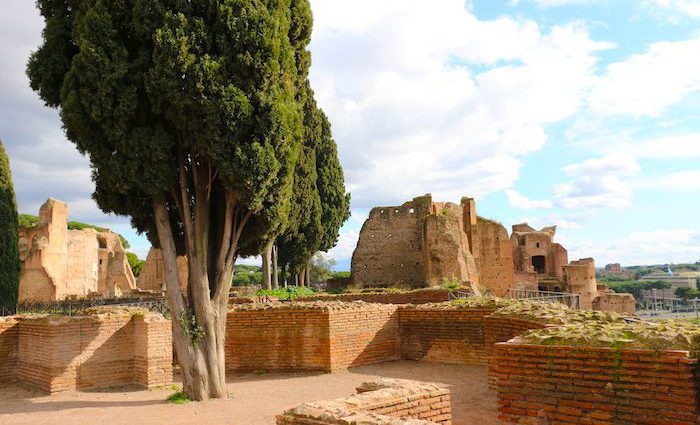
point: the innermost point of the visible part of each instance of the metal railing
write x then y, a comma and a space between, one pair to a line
77, 307
568, 299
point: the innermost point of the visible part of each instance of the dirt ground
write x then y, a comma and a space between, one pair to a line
255, 399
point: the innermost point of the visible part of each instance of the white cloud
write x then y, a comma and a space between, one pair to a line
644, 247
556, 3
517, 200
597, 183
689, 8
680, 181
648, 83
411, 115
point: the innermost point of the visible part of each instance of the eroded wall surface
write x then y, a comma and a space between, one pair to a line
58, 263
152, 277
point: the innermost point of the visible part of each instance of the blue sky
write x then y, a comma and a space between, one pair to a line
580, 113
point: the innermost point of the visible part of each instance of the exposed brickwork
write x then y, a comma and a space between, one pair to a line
439, 334
418, 296
378, 403
364, 335
310, 336
68, 353
9, 347
584, 385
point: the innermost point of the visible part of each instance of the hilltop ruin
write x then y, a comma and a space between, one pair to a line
58, 263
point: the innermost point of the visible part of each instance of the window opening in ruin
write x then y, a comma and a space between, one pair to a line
538, 244
100, 262
102, 243
396, 211
538, 263
381, 212
411, 211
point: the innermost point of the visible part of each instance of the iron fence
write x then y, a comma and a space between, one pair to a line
77, 307
568, 299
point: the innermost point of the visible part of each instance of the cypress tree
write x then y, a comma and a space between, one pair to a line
9, 241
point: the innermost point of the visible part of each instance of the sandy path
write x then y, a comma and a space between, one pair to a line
255, 399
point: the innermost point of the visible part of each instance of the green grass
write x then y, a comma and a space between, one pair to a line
290, 292
178, 398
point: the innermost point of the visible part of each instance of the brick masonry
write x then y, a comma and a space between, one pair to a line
379, 402
9, 348
68, 353
321, 336
586, 385
418, 296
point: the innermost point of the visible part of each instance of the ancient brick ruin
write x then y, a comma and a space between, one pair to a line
54, 353
58, 263
152, 277
422, 242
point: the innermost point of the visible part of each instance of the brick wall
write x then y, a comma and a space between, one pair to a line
68, 353
378, 403
418, 296
277, 338
594, 385
439, 334
9, 342
310, 336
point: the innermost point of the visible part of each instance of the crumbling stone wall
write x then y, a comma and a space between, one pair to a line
59, 353
378, 402
58, 263
390, 247
495, 257
611, 301
152, 277
415, 296
423, 242
9, 348
580, 279
531, 246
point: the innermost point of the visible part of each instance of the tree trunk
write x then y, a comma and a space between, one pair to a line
275, 274
267, 267
308, 274
284, 275
302, 278
296, 279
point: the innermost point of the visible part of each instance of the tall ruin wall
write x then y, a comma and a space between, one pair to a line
390, 246
495, 258
152, 277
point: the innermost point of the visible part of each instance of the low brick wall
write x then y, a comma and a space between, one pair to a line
378, 403
441, 334
450, 334
594, 385
310, 336
68, 353
9, 348
418, 296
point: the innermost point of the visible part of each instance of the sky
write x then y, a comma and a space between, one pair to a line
579, 113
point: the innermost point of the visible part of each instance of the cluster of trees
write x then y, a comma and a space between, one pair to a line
636, 287
200, 125
9, 243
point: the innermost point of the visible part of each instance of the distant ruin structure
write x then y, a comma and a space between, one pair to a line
152, 277
58, 263
422, 242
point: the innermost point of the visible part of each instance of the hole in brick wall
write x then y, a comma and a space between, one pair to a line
396, 211
381, 212
411, 211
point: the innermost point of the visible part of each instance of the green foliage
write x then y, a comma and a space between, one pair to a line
450, 284
140, 81
178, 398
341, 275
188, 323
321, 267
9, 239
636, 287
290, 292
687, 293
320, 205
29, 220
135, 263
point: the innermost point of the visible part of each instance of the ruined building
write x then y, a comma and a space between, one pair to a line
152, 277
542, 264
422, 242
58, 263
